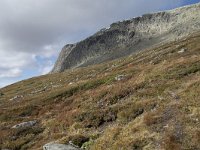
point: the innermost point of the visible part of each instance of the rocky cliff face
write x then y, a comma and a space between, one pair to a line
126, 37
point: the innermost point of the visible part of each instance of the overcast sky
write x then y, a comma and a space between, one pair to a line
32, 32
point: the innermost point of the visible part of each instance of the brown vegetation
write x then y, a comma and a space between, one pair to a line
155, 106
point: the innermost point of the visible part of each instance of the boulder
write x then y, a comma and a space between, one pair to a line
54, 146
25, 124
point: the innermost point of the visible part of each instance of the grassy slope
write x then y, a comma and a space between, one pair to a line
155, 106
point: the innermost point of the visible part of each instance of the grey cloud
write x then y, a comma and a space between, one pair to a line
41, 27
27, 25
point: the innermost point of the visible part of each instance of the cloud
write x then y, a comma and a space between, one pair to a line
14, 72
32, 29
45, 66
46, 69
14, 59
13, 63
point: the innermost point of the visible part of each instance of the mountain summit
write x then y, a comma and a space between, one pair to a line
126, 37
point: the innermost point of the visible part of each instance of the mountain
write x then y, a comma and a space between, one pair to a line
126, 37
147, 100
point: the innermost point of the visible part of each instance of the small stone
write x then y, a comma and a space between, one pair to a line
182, 50
18, 97
160, 98
70, 83
167, 126
55, 86
39, 90
174, 95
119, 77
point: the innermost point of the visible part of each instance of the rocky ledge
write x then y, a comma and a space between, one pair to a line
126, 37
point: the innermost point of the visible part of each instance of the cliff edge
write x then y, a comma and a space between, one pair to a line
126, 37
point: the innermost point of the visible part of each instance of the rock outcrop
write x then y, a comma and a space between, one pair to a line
126, 37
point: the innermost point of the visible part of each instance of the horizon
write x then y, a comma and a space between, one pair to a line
30, 42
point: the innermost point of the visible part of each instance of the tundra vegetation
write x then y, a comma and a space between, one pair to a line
153, 105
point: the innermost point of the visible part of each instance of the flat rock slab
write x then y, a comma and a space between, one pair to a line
25, 124
58, 147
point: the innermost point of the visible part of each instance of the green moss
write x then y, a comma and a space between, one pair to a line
78, 140
87, 144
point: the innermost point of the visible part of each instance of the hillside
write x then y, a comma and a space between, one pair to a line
127, 37
148, 100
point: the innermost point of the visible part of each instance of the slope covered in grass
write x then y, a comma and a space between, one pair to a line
149, 100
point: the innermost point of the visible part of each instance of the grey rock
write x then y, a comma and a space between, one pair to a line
17, 97
120, 77
182, 50
39, 90
63, 55
25, 124
127, 37
54, 146
70, 83
174, 95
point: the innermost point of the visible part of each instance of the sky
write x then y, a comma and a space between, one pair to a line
32, 32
